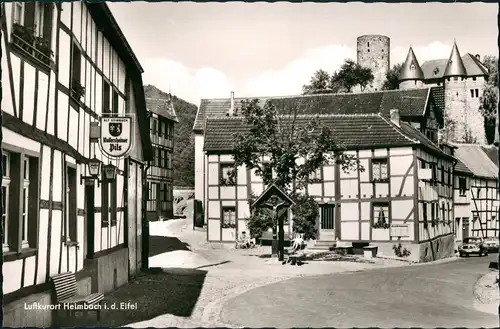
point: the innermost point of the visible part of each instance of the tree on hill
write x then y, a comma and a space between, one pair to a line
286, 139
489, 98
392, 78
345, 79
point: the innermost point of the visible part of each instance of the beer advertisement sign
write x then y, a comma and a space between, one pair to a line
116, 135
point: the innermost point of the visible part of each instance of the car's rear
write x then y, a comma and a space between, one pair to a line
469, 249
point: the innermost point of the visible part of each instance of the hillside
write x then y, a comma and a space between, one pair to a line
183, 136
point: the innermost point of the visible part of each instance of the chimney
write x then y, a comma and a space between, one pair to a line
395, 117
478, 57
231, 109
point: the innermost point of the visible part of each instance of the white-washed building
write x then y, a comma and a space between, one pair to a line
63, 65
476, 192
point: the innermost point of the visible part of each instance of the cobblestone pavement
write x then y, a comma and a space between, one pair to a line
233, 272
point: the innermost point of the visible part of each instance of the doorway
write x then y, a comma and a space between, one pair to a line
327, 222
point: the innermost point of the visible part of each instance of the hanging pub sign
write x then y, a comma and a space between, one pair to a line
116, 135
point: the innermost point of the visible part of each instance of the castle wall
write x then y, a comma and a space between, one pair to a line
374, 52
411, 84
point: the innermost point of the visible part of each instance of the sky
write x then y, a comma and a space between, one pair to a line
207, 50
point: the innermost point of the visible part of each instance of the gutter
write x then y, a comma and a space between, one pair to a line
145, 221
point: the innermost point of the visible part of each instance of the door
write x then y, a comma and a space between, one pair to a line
90, 212
327, 222
465, 228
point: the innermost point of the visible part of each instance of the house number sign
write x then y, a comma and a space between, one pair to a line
116, 135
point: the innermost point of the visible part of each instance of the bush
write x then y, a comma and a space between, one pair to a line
399, 251
258, 223
305, 213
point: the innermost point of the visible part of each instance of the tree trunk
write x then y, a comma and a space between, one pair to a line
274, 246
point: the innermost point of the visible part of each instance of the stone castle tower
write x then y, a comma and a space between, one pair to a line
374, 52
463, 121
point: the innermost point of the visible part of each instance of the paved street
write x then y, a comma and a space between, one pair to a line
435, 295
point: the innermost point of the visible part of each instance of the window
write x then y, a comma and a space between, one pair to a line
443, 212
368, 44
477, 93
155, 126
228, 174
106, 90
424, 214
163, 129
115, 101
228, 217
316, 175
5, 198
379, 170
449, 177
455, 78
380, 215
77, 90
434, 172
71, 205
412, 67
422, 164
32, 30
472, 93
442, 175
473, 78
433, 211
20, 201
157, 157
163, 159
462, 186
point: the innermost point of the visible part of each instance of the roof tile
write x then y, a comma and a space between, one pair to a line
477, 160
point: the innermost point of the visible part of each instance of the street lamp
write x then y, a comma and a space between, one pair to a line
94, 166
109, 172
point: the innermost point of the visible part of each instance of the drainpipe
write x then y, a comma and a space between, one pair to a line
144, 218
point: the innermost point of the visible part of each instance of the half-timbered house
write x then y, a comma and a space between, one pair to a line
162, 120
63, 66
476, 191
404, 195
423, 108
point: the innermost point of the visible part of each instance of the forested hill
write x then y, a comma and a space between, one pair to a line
183, 136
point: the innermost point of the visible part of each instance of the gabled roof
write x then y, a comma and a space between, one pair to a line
461, 168
411, 70
434, 69
412, 102
492, 153
477, 160
160, 103
361, 131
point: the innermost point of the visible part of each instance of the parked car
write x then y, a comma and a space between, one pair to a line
473, 246
491, 244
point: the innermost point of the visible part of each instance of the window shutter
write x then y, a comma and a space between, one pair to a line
47, 21
29, 14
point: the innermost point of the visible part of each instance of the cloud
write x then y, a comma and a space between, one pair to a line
190, 84
434, 50
289, 79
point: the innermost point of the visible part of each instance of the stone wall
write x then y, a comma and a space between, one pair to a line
17, 314
438, 248
109, 271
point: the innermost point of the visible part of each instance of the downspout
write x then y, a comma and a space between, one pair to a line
145, 221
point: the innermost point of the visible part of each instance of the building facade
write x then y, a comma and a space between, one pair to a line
63, 66
422, 108
477, 197
404, 195
162, 120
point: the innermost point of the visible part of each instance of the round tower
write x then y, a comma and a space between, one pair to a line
374, 53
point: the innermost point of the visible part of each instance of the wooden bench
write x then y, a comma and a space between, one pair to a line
343, 248
65, 289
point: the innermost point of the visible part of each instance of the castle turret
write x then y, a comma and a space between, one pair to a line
455, 66
411, 75
464, 121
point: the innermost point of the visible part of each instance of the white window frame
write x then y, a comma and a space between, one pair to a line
6, 184
26, 194
39, 18
18, 6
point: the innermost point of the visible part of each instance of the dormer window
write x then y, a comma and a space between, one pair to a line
436, 71
412, 67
